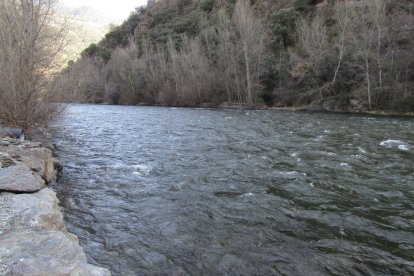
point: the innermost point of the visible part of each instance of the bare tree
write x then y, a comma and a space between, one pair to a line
229, 59
32, 39
367, 40
342, 15
252, 41
379, 19
241, 50
314, 45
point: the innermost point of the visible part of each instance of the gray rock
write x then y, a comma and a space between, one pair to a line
38, 159
35, 252
12, 133
57, 165
314, 106
357, 106
40, 135
20, 178
34, 240
38, 211
329, 105
6, 160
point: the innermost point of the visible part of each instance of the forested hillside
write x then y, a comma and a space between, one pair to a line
332, 55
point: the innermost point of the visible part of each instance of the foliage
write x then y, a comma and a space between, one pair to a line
404, 104
32, 44
190, 52
282, 25
207, 5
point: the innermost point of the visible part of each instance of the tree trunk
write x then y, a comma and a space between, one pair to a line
368, 84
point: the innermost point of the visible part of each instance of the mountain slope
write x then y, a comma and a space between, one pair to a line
332, 55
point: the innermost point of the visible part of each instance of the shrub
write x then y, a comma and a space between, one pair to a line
404, 104
207, 5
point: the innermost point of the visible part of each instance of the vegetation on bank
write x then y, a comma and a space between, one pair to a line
330, 55
33, 38
343, 55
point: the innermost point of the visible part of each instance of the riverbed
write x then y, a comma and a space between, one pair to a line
152, 190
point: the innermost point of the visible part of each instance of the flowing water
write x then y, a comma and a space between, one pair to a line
198, 191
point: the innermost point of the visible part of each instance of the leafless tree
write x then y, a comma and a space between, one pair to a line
242, 49
367, 31
342, 16
32, 39
314, 45
251, 35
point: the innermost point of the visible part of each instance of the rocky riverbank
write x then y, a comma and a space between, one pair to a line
33, 237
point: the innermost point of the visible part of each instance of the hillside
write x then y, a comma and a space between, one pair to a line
327, 55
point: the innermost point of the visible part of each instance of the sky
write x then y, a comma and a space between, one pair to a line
116, 10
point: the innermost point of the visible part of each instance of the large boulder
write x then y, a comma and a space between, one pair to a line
20, 178
6, 160
37, 211
34, 240
40, 135
12, 133
34, 252
39, 160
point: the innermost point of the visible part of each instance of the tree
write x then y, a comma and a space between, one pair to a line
313, 44
32, 39
81, 81
252, 42
342, 16
367, 37
283, 23
242, 49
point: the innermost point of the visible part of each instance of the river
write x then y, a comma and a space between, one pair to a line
151, 190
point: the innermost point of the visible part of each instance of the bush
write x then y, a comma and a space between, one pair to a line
207, 5
404, 104
90, 51
181, 4
283, 25
304, 5
188, 24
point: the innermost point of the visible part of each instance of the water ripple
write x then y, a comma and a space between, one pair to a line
199, 191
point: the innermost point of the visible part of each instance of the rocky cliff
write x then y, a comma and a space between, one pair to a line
33, 237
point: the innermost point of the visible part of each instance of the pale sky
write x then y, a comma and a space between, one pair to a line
117, 10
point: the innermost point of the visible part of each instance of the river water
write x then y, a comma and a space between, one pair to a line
167, 191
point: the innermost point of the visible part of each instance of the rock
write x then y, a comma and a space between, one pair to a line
33, 237
357, 106
329, 105
6, 160
34, 240
12, 133
34, 252
20, 178
38, 211
40, 135
314, 107
58, 165
38, 159
4, 143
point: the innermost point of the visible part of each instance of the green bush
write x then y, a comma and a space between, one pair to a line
181, 4
404, 104
188, 24
207, 5
91, 50
304, 5
96, 51
283, 24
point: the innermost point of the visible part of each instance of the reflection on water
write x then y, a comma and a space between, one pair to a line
199, 191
